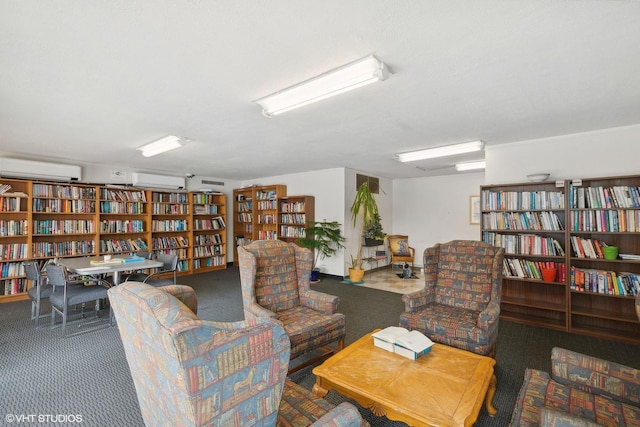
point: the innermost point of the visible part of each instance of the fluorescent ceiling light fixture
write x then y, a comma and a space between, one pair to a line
469, 166
351, 76
446, 150
162, 145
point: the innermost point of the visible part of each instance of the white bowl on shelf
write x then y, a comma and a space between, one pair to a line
538, 177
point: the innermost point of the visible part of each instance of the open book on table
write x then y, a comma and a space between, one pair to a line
396, 339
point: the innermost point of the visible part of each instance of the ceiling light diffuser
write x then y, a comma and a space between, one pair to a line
446, 150
353, 75
469, 166
162, 145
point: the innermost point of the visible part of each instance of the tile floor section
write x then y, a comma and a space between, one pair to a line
386, 280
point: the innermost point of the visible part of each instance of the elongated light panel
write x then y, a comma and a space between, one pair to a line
331, 83
446, 150
161, 145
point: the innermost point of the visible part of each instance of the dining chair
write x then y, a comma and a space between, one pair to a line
39, 290
169, 265
66, 294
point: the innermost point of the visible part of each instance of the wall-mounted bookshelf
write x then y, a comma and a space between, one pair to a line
564, 225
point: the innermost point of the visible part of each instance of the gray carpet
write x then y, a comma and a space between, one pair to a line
43, 375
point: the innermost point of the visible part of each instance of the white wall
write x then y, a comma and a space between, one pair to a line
434, 209
608, 152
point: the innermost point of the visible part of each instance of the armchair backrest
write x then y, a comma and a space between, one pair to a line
399, 244
279, 272
191, 372
464, 273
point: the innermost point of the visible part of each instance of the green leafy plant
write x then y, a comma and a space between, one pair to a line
373, 229
365, 208
324, 238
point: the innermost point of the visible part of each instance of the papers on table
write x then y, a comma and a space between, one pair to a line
409, 344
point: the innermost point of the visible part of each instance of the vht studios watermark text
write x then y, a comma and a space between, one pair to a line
42, 418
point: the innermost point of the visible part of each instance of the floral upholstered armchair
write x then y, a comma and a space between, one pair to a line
274, 276
460, 303
582, 391
192, 372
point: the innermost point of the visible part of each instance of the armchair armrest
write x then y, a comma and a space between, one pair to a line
489, 316
343, 415
319, 301
416, 301
596, 376
184, 293
258, 312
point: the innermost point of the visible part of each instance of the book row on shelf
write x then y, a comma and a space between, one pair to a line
67, 248
123, 195
10, 204
181, 198
69, 226
528, 269
543, 220
524, 244
122, 226
169, 209
66, 206
522, 200
207, 239
63, 191
169, 242
14, 227
604, 282
169, 225
13, 251
606, 220
209, 224
595, 197
587, 248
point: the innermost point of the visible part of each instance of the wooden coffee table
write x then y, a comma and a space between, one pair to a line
445, 387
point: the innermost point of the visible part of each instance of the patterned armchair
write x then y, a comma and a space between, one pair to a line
581, 391
274, 276
460, 303
191, 372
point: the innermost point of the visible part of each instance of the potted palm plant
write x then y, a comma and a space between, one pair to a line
324, 238
365, 209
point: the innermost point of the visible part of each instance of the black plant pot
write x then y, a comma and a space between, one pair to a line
372, 242
315, 275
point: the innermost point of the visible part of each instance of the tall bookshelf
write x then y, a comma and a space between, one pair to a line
209, 231
255, 214
537, 224
604, 210
44, 220
294, 212
266, 211
124, 220
170, 226
15, 237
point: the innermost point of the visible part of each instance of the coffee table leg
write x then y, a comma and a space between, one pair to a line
489, 399
319, 391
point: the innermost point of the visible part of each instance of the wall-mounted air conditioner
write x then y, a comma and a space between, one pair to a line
17, 168
146, 180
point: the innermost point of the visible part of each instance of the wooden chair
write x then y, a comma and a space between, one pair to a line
400, 251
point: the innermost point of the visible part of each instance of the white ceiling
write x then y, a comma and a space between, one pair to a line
90, 81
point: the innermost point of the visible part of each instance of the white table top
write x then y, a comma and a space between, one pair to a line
83, 265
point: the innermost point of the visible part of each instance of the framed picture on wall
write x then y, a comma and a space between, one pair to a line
474, 209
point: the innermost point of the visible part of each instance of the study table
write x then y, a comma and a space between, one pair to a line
84, 266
